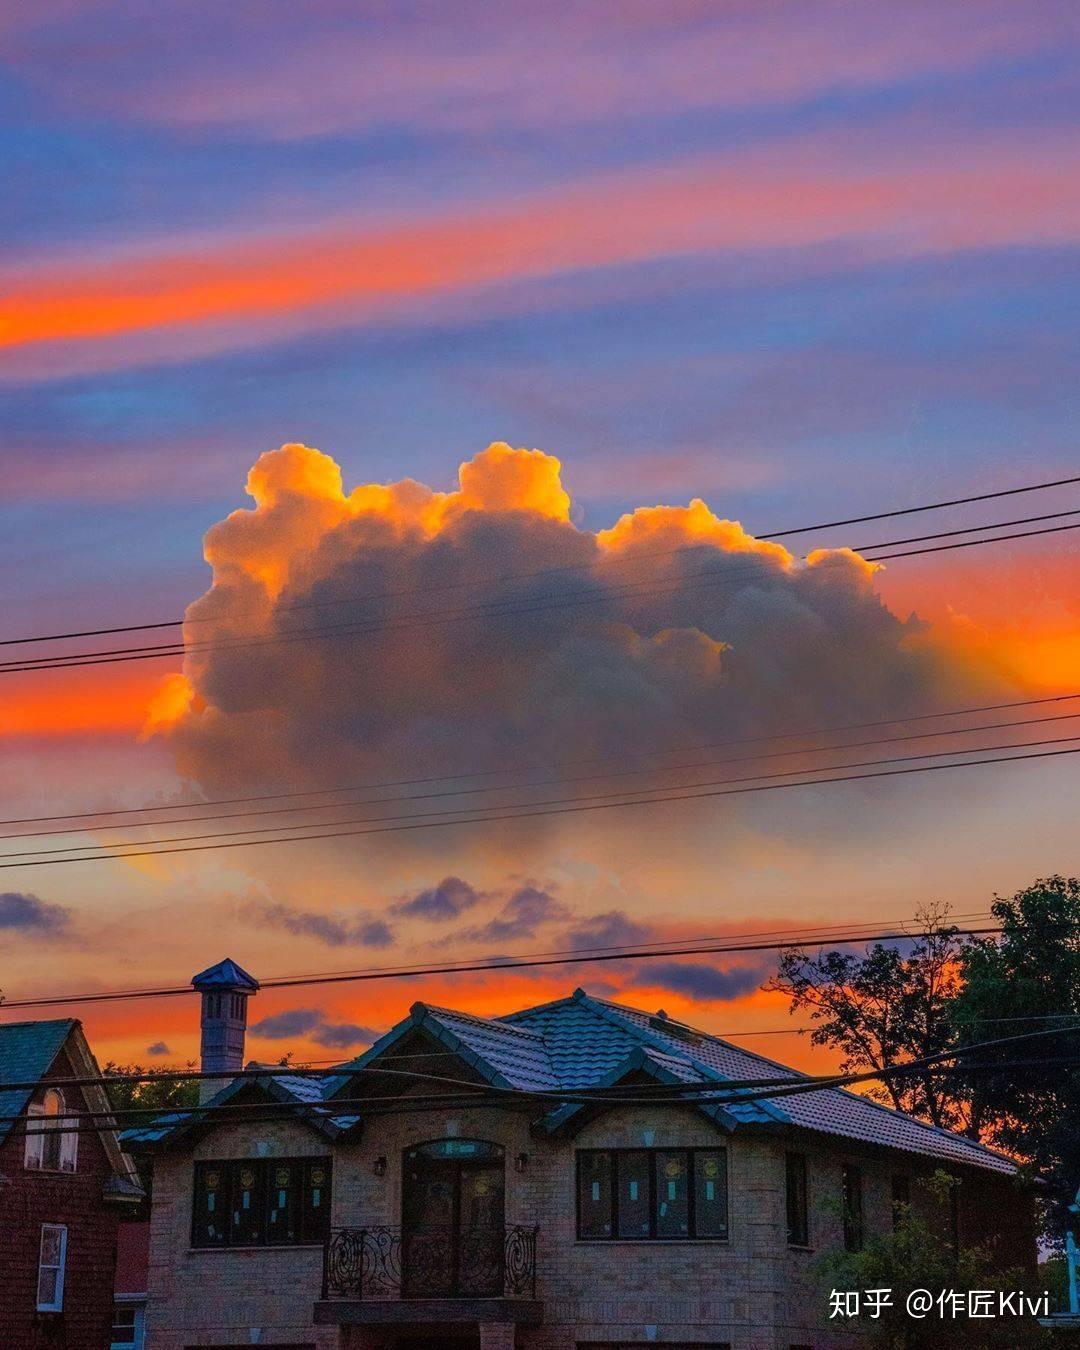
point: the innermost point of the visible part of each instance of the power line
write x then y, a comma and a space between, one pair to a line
807, 935
719, 1092
774, 534
546, 782
523, 810
518, 768
497, 609
569, 958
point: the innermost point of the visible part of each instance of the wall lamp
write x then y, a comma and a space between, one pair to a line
379, 1167
521, 1162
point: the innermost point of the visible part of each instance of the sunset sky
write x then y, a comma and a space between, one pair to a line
792, 262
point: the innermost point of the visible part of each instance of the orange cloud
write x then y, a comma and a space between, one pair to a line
752, 200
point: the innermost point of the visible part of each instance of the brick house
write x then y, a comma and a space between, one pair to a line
63, 1191
363, 1220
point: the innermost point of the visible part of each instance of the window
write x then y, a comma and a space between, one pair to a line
50, 1146
52, 1259
635, 1194
127, 1327
851, 1194
256, 1202
901, 1197
798, 1217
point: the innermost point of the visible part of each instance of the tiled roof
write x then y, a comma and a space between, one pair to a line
225, 975
830, 1111
581, 1042
27, 1049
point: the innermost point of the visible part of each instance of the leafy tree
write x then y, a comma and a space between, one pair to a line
918, 1255
159, 1089
884, 1007
1024, 980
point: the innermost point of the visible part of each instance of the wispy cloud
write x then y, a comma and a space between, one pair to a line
312, 1024
527, 909
703, 983
23, 913
448, 899
333, 929
244, 291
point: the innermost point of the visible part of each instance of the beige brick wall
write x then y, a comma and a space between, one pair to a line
751, 1291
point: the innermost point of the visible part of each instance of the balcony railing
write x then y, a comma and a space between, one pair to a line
381, 1262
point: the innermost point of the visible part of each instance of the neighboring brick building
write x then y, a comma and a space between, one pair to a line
538, 1223
63, 1189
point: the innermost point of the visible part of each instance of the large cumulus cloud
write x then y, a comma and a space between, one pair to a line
433, 632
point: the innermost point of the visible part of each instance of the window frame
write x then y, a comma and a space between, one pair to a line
690, 1154
801, 1242
50, 1133
852, 1207
60, 1267
306, 1226
137, 1308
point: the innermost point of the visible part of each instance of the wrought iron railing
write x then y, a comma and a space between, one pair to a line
381, 1262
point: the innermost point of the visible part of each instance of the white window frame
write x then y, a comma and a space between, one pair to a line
137, 1304
57, 1302
41, 1122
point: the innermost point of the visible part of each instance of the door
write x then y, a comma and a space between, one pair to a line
452, 1220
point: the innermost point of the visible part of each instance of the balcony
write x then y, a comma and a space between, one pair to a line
387, 1274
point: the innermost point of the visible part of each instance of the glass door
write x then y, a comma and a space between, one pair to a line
452, 1220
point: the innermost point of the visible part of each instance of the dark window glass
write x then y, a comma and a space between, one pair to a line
283, 1180
253, 1202
710, 1192
798, 1217
247, 1211
210, 1211
672, 1193
315, 1218
638, 1193
901, 1197
594, 1194
634, 1195
851, 1187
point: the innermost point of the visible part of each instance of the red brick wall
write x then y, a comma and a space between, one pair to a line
27, 1200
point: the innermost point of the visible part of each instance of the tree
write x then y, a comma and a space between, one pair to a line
918, 1255
884, 1007
159, 1089
948, 991
1025, 980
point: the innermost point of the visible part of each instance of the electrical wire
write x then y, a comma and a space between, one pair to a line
774, 534
492, 610
518, 768
546, 782
466, 967
525, 810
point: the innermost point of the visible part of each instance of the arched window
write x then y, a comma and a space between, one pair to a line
51, 1141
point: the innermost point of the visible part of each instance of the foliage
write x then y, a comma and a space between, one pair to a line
941, 990
918, 1255
1028, 980
884, 1007
160, 1089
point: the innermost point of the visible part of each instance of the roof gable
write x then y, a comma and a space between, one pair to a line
27, 1052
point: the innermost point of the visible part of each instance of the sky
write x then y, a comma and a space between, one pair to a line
416, 307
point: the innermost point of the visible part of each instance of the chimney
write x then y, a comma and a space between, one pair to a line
225, 989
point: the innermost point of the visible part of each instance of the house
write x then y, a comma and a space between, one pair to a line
129, 1285
65, 1182
380, 1205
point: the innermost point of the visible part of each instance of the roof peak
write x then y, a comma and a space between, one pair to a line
226, 974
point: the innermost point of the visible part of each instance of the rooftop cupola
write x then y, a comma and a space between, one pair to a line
225, 990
